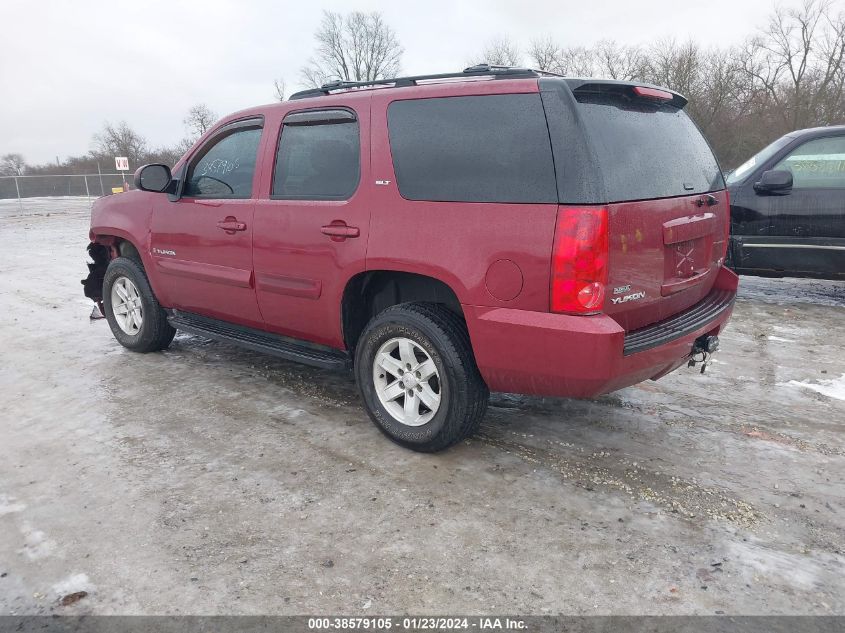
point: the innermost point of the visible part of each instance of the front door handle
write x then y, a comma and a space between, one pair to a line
339, 231
231, 225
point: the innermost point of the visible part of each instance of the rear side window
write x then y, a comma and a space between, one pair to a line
319, 156
647, 150
472, 149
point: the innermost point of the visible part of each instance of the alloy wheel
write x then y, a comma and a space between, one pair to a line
126, 306
407, 381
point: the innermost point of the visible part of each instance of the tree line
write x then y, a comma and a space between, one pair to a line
788, 75
116, 139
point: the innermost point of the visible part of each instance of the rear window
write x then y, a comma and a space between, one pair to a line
647, 150
492, 148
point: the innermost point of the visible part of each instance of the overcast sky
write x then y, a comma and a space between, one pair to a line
67, 66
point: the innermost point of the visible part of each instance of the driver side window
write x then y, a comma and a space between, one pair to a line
225, 167
817, 164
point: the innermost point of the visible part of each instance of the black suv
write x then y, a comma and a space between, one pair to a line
788, 207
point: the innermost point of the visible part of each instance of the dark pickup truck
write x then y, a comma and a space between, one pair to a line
788, 207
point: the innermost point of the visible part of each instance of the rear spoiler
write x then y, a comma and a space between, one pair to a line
633, 90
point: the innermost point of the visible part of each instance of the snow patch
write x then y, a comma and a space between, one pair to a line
780, 340
8, 505
72, 584
285, 411
834, 388
754, 559
36, 544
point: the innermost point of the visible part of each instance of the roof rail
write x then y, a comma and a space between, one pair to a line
480, 70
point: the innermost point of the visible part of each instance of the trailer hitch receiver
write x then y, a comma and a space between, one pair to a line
702, 350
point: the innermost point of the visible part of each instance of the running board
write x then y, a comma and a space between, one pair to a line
259, 341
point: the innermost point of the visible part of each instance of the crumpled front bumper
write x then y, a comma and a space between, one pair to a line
93, 283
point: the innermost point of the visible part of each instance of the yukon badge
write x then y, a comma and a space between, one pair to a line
631, 297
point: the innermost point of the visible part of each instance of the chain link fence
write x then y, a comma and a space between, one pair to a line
50, 186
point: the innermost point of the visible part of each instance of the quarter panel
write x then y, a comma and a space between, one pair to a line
458, 242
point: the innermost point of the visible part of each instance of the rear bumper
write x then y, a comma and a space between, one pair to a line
550, 354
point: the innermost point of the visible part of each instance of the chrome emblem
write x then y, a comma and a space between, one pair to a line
632, 297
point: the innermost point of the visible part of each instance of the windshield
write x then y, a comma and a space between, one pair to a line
758, 159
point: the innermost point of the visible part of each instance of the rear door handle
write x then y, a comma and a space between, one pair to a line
340, 230
231, 225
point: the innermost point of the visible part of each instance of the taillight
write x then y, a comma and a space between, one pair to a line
579, 260
727, 212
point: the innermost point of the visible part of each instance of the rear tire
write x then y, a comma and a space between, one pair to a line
134, 315
417, 376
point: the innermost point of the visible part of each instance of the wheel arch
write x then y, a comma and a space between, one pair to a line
123, 244
120, 243
370, 292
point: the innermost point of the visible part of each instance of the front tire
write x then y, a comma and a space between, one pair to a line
417, 376
134, 315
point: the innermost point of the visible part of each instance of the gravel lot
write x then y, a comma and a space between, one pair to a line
211, 480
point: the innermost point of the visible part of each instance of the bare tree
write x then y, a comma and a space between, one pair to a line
544, 54
498, 52
279, 87
170, 155
722, 90
199, 120
12, 165
797, 60
832, 85
577, 61
615, 61
120, 140
676, 66
355, 47
606, 59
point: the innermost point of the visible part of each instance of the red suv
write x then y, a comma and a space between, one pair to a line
446, 235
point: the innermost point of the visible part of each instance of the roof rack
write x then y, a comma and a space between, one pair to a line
480, 70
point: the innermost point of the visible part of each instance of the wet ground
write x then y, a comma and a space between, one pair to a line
207, 479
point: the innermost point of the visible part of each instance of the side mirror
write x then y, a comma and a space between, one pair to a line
155, 177
774, 181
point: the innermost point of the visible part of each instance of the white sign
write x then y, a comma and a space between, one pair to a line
121, 163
